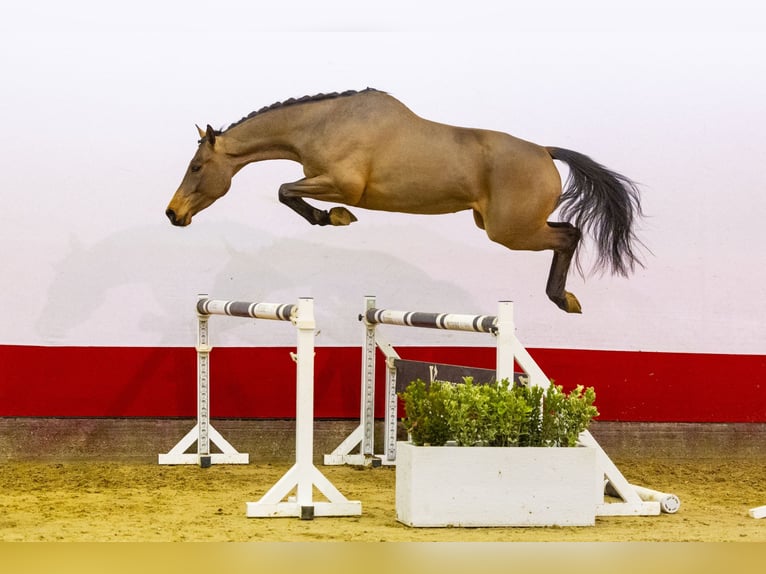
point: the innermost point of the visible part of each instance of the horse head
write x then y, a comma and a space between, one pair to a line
207, 178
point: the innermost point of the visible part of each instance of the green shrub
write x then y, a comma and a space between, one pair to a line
428, 423
495, 414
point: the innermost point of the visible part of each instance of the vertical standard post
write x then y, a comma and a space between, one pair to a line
363, 435
368, 386
303, 476
203, 389
304, 410
505, 333
392, 406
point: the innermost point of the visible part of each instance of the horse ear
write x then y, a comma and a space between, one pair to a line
210, 133
200, 131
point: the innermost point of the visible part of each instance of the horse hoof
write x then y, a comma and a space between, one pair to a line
341, 216
572, 304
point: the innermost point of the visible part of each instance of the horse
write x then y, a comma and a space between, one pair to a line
366, 149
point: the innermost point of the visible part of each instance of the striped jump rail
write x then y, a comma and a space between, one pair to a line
447, 321
272, 311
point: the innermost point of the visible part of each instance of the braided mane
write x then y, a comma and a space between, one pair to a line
296, 101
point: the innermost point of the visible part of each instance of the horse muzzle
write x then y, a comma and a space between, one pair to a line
175, 220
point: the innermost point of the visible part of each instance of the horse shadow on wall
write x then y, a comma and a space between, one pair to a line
138, 286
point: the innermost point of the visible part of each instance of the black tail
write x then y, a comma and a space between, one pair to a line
603, 204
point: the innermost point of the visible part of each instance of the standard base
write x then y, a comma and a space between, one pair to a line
295, 510
303, 477
228, 454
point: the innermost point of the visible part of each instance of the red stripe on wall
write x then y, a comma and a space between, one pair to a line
260, 382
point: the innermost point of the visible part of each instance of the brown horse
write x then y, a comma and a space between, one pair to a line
366, 149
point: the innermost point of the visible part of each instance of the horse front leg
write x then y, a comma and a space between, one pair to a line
292, 194
567, 237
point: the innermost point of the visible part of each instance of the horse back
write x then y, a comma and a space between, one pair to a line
411, 164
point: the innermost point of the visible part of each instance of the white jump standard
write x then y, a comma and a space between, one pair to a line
635, 501
303, 476
203, 432
500, 326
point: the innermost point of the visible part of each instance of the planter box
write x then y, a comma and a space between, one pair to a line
497, 486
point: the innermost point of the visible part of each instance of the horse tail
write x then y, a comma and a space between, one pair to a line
603, 204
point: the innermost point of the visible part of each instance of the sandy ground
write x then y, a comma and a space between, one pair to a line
97, 502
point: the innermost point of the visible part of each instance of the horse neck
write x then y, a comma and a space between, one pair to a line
276, 134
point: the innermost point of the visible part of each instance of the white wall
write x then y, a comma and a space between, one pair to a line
98, 109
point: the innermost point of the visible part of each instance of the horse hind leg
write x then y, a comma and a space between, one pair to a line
563, 239
567, 237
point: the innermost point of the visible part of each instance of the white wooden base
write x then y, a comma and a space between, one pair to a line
228, 454
497, 486
338, 459
291, 509
342, 453
632, 504
304, 479
642, 508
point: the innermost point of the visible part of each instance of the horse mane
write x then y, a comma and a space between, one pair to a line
297, 101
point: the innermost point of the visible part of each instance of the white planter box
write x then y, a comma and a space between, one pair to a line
497, 486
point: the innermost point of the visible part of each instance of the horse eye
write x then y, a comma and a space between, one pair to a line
196, 167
